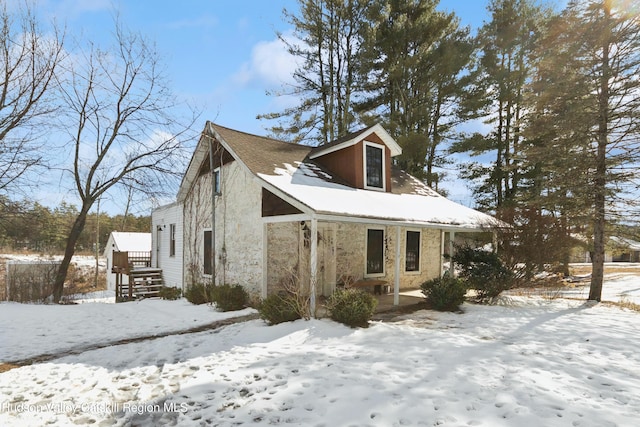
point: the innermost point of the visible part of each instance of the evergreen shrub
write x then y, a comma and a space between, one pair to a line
229, 297
352, 307
279, 308
444, 293
483, 271
169, 293
198, 293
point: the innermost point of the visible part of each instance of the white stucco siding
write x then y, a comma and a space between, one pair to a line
239, 229
238, 232
283, 255
162, 220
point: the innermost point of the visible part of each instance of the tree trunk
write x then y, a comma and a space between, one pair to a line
597, 269
74, 235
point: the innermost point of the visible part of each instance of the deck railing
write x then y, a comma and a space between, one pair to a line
124, 262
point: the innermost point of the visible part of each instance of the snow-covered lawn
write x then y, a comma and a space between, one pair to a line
29, 330
532, 361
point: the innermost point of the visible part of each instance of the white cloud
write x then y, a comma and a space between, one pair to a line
270, 65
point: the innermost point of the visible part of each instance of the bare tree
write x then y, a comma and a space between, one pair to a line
119, 118
28, 62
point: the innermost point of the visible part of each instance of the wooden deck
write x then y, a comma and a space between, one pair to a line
143, 280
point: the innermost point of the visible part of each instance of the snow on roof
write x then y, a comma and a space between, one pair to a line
308, 184
623, 242
134, 242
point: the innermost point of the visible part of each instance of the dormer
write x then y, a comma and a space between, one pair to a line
362, 159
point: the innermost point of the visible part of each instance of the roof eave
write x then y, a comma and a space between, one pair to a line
395, 149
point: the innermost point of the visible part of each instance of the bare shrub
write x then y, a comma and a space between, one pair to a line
30, 281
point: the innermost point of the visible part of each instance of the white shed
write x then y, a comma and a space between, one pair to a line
124, 242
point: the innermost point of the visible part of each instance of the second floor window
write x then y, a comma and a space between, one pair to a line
374, 164
216, 181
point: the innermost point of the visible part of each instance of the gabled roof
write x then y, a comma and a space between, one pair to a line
354, 138
290, 171
260, 154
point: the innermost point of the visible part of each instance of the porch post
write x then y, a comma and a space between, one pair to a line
265, 260
396, 276
441, 252
314, 265
452, 237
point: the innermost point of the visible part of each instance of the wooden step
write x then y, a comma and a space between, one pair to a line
143, 283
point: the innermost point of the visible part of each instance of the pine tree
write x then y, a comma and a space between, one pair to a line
586, 119
328, 36
414, 56
495, 95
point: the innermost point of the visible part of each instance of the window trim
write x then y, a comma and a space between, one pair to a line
172, 240
382, 147
406, 240
366, 252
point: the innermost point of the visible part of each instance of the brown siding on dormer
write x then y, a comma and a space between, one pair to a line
348, 163
345, 163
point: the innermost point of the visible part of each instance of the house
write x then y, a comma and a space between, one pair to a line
168, 244
617, 249
266, 214
622, 249
134, 243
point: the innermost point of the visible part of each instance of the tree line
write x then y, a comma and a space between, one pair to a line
30, 226
549, 100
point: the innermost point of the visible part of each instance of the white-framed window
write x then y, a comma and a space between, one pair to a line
412, 251
172, 240
374, 256
217, 181
373, 165
207, 253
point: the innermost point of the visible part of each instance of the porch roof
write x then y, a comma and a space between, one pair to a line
306, 183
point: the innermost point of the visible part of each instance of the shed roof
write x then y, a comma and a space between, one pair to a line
131, 242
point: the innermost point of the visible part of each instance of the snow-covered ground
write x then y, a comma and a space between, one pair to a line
29, 330
532, 361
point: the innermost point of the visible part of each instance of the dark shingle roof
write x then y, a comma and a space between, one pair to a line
259, 153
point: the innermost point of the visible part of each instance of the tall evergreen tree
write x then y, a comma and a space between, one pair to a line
414, 56
606, 55
556, 154
496, 96
328, 37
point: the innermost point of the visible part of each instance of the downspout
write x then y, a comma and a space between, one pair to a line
213, 213
224, 223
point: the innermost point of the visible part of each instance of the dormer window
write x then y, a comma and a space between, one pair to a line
374, 173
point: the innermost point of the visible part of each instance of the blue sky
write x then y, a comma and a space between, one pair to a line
223, 55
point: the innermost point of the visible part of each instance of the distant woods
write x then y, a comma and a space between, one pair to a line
31, 227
